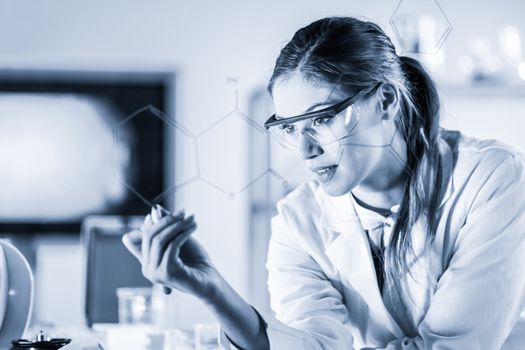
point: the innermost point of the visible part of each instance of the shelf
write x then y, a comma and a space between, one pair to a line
482, 89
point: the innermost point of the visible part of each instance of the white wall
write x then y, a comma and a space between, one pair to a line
205, 42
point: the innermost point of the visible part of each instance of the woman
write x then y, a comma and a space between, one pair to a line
411, 236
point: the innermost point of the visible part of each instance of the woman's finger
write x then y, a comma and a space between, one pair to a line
134, 236
160, 242
180, 239
159, 210
173, 248
132, 241
147, 221
180, 212
154, 214
154, 230
145, 224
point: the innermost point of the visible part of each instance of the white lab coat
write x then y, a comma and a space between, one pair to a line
322, 280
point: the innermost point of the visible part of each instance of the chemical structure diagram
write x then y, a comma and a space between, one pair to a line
202, 150
421, 26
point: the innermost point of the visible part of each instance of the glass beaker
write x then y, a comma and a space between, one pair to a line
208, 336
135, 305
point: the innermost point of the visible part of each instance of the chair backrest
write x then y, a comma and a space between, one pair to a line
16, 293
109, 265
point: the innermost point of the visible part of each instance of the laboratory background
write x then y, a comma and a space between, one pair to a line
109, 107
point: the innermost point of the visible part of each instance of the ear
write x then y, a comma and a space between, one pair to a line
388, 97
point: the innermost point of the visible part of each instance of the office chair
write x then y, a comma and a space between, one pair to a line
109, 265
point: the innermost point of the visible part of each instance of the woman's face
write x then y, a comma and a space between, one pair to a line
364, 158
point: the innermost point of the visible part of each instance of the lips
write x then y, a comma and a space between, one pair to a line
324, 173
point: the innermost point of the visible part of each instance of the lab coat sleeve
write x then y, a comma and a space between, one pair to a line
479, 297
309, 310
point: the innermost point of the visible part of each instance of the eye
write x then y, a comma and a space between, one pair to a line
321, 120
288, 128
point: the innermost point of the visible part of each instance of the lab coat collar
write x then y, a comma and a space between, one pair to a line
335, 210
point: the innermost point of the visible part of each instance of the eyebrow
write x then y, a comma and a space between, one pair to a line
315, 105
312, 107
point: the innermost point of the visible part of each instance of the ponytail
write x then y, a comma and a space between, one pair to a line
424, 93
420, 126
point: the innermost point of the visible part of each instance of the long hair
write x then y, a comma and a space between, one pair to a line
349, 54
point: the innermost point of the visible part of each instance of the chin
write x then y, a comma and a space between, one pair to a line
335, 189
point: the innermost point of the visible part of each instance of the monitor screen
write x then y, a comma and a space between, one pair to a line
77, 146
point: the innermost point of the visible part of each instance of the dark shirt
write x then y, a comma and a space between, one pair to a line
377, 256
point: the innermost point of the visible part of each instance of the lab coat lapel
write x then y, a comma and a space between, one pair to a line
349, 249
447, 167
350, 253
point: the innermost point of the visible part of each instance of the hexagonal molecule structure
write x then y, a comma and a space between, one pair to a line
420, 26
217, 144
185, 152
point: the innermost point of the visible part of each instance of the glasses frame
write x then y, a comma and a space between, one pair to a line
330, 111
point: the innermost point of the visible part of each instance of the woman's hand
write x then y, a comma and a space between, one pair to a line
170, 256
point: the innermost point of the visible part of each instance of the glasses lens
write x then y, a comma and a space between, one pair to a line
321, 130
286, 134
329, 129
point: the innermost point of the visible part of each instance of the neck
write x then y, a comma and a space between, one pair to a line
380, 200
386, 188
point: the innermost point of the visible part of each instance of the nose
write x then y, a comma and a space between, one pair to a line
307, 148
